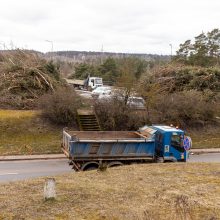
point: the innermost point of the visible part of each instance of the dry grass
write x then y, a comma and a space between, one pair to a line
150, 191
206, 138
13, 115
23, 132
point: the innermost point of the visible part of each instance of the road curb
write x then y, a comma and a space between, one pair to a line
32, 157
205, 151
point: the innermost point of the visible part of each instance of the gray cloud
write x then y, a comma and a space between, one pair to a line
121, 26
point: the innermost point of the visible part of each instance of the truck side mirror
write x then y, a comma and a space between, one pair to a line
92, 81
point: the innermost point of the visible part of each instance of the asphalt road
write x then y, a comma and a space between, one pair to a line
211, 157
19, 170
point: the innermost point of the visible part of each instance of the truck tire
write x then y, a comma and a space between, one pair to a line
90, 166
115, 164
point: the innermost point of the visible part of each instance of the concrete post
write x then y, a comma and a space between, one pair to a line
50, 189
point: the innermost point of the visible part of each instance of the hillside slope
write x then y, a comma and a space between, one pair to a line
24, 132
143, 192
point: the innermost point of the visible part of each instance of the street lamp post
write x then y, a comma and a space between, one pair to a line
171, 50
51, 42
3, 44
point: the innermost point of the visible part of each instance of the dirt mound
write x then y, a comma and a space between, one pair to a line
24, 77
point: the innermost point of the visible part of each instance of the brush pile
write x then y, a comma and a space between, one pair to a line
24, 77
176, 78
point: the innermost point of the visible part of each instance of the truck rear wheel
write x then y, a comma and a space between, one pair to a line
115, 164
90, 166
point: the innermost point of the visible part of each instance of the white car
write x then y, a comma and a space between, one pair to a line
102, 90
133, 101
136, 102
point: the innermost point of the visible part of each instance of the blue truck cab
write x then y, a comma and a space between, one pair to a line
169, 142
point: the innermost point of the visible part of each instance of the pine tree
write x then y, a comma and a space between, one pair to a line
214, 44
184, 52
205, 50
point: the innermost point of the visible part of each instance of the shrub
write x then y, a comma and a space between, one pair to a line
60, 106
53, 69
115, 115
185, 108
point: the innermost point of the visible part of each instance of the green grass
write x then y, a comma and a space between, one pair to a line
177, 191
23, 132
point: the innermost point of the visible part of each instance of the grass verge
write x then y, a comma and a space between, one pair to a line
206, 138
150, 191
23, 132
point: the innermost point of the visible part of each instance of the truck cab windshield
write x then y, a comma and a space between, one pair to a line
176, 140
98, 80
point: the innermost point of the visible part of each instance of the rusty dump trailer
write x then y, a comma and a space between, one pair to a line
86, 150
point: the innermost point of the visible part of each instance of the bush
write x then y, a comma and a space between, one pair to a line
115, 115
60, 107
189, 108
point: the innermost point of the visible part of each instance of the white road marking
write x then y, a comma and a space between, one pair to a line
4, 174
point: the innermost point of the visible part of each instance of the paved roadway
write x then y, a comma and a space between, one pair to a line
211, 157
18, 170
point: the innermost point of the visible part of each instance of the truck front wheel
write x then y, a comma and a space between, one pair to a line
115, 164
160, 160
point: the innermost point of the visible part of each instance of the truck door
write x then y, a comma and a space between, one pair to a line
92, 83
159, 144
177, 148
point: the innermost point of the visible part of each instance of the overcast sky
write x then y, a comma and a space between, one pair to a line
134, 26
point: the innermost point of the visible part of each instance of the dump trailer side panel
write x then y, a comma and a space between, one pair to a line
113, 150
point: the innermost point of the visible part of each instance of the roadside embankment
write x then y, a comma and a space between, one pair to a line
150, 191
23, 132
